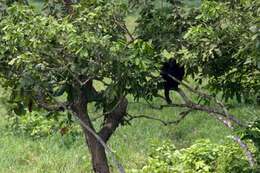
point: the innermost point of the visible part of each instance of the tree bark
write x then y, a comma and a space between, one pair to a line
97, 151
113, 118
112, 121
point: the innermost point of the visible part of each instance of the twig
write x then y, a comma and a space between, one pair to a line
123, 26
166, 123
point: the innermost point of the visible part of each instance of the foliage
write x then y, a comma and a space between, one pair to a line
44, 52
253, 132
203, 156
32, 124
50, 59
218, 41
224, 44
37, 125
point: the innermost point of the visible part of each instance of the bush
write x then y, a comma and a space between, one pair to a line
36, 125
202, 157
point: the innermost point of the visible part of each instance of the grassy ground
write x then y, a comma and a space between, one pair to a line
21, 154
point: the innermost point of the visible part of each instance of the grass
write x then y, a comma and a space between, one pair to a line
56, 153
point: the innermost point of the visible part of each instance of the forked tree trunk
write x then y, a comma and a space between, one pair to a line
113, 119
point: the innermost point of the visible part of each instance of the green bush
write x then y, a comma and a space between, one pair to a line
202, 157
36, 125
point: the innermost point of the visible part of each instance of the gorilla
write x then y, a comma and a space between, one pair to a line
174, 69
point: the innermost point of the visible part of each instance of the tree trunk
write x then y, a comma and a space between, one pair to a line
113, 119
97, 151
98, 154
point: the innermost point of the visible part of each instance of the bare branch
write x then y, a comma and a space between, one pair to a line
247, 151
184, 97
51, 108
224, 111
166, 123
124, 27
204, 95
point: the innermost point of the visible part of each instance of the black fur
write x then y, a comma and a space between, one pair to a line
258, 100
172, 68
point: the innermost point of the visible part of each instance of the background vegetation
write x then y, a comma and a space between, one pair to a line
56, 153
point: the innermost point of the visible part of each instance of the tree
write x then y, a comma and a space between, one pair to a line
50, 61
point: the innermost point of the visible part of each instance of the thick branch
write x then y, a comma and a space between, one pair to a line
102, 142
205, 108
113, 119
248, 153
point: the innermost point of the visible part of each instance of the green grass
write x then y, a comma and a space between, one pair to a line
21, 154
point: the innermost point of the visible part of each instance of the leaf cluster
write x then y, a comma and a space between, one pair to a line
203, 156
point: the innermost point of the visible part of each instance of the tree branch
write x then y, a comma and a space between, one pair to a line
224, 111
245, 148
113, 119
124, 27
166, 123
52, 108
223, 116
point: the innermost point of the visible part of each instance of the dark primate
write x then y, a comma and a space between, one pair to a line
258, 100
171, 68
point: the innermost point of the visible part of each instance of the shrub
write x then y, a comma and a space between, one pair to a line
36, 125
202, 157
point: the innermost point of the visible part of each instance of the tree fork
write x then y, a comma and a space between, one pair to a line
94, 143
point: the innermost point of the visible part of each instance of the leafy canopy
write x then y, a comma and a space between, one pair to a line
217, 42
45, 56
